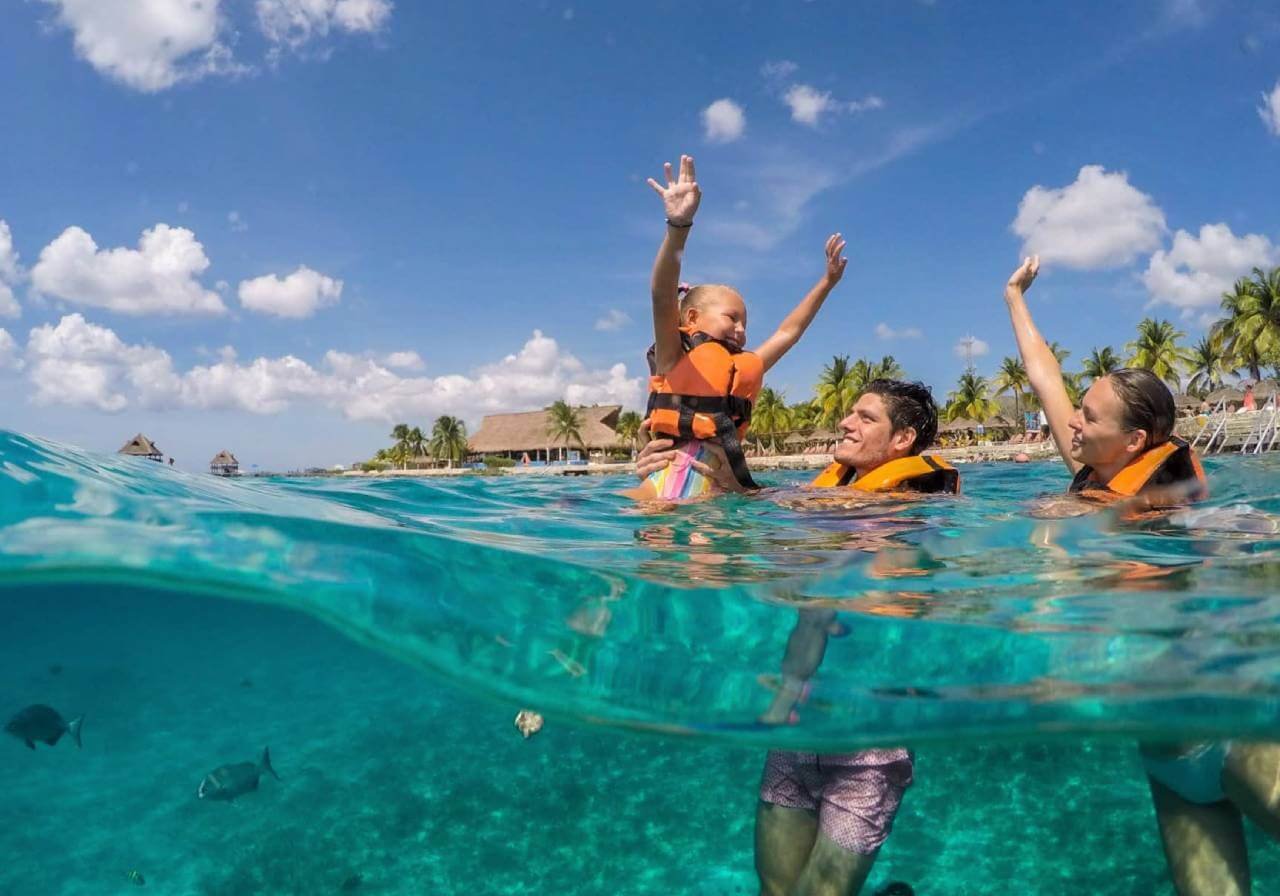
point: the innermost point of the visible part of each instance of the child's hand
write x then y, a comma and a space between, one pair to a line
1021, 279
679, 197
835, 264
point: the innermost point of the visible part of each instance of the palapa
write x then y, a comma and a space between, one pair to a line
141, 446
527, 431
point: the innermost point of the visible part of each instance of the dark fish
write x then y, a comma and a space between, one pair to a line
135, 877
230, 781
42, 723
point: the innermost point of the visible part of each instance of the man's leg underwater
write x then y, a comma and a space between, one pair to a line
785, 838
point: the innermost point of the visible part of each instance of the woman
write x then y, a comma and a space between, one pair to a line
1119, 445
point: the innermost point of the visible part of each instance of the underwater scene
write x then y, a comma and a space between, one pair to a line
380, 637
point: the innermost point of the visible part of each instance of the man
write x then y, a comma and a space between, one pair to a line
821, 819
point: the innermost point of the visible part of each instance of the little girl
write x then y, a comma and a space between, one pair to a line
702, 381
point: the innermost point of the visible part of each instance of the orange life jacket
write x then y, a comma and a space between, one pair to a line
1165, 465
708, 394
916, 473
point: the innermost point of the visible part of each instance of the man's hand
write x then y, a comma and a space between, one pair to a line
717, 468
835, 264
654, 456
680, 197
1021, 279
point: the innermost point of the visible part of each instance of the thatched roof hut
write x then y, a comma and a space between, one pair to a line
1229, 395
224, 463
515, 434
960, 424
141, 446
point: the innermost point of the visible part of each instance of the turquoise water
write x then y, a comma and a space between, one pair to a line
380, 636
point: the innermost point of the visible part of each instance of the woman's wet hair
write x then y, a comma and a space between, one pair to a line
908, 404
1146, 403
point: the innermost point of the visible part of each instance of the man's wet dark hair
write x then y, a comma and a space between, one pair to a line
1147, 403
908, 404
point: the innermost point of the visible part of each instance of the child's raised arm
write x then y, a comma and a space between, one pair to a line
680, 198
795, 323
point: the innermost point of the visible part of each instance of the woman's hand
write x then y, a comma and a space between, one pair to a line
680, 197
835, 264
1021, 279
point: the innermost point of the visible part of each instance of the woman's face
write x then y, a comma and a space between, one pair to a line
1098, 433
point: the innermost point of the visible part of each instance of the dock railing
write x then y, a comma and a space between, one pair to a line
1262, 437
1214, 424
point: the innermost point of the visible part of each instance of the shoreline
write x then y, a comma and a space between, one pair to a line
970, 454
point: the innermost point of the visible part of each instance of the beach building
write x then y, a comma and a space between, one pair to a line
224, 463
518, 435
141, 446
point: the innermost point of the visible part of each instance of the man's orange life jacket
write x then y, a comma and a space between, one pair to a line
916, 473
708, 394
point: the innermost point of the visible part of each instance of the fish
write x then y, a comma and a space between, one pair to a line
135, 877
42, 723
230, 781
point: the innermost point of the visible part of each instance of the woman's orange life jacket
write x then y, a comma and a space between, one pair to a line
708, 394
916, 473
1169, 464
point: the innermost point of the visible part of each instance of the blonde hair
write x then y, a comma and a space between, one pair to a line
698, 296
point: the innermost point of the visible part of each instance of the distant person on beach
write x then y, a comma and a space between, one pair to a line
1119, 446
822, 818
703, 381
1249, 402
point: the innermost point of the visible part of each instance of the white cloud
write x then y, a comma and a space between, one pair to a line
406, 360
723, 121
159, 277
778, 70
1269, 111
1099, 221
779, 191
296, 23
9, 355
970, 347
10, 273
888, 333
1196, 271
613, 320
808, 104
149, 46
85, 365
301, 294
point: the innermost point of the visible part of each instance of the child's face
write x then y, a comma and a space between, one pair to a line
722, 315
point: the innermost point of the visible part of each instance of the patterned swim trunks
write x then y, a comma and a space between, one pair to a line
856, 795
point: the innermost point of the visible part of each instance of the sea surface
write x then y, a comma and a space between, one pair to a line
379, 635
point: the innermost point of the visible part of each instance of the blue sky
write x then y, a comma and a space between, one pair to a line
280, 226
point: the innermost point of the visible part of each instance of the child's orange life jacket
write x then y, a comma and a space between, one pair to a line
708, 394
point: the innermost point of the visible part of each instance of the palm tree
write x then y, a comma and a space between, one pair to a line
804, 415
770, 415
628, 429
1100, 362
565, 423
835, 390
449, 440
1252, 327
887, 368
1012, 377
1059, 352
1156, 349
971, 398
399, 454
1209, 363
401, 434
1074, 384
416, 442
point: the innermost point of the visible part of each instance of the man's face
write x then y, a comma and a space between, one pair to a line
869, 439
